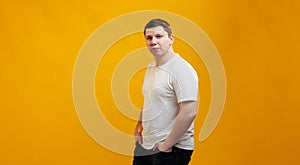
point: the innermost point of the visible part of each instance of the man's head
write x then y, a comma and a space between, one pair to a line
159, 38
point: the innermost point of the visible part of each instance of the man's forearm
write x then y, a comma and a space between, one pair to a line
139, 122
183, 122
138, 129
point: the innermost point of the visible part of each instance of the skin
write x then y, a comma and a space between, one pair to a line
159, 43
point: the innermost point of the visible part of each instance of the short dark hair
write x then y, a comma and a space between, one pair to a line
159, 22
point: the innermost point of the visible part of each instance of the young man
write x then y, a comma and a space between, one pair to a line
164, 132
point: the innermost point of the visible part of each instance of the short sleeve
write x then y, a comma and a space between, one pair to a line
185, 82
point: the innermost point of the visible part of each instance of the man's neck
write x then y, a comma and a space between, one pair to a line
160, 60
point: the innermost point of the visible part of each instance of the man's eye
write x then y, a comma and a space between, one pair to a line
149, 38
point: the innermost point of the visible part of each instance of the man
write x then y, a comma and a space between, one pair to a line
164, 132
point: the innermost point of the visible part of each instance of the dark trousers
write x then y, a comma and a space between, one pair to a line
149, 157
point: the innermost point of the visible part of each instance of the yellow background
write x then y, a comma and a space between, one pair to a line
258, 42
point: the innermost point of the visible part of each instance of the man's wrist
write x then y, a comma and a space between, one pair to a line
168, 144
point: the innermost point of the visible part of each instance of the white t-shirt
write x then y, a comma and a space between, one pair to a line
164, 87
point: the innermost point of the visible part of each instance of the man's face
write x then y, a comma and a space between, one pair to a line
158, 41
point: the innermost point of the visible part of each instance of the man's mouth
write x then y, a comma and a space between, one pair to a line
154, 48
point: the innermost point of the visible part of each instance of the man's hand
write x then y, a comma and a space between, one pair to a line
138, 133
163, 147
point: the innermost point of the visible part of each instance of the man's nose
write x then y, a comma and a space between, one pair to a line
154, 41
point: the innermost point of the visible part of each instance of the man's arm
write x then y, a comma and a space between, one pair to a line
138, 129
186, 116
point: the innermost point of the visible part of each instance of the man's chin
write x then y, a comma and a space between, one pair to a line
156, 53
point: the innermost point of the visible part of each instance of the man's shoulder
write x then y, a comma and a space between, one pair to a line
151, 65
179, 64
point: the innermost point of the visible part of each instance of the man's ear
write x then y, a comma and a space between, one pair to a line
171, 38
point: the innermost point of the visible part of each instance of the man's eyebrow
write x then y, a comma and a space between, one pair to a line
158, 33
